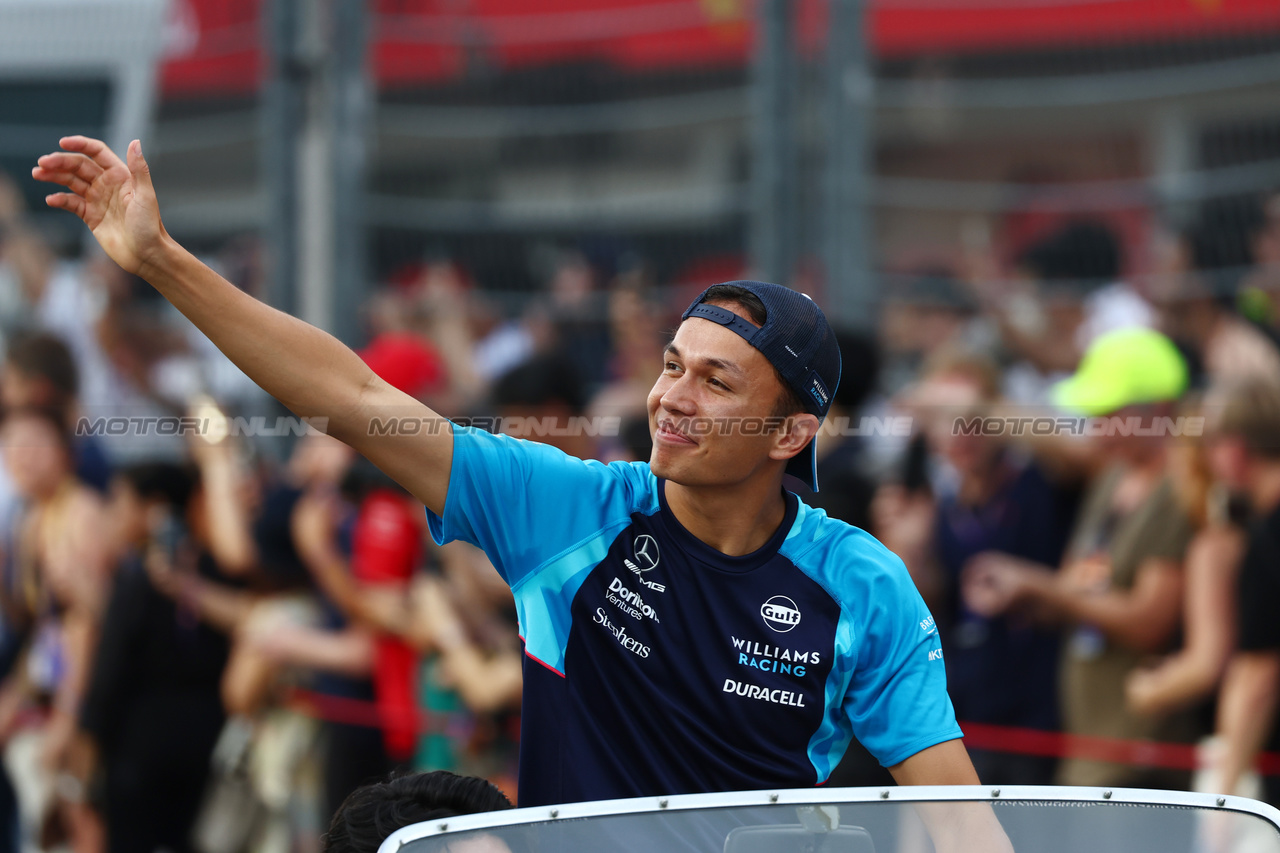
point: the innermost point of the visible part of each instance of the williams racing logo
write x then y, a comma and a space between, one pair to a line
780, 613
644, 551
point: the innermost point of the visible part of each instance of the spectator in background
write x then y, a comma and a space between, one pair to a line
1247, 249
846, 490
53, 597
578, 313
363, 554
362, 551
1189, 678
636, 329
992, 499
1121, 584
406, 360
473, 669
39, 371
926, 312
502, 342
153, 710
369, 591
1079, 296
92, 309
636, 332
544, 399
43, 294
1196, 310
1244, 448
442, 312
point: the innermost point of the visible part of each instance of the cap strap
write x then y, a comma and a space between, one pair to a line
725, 318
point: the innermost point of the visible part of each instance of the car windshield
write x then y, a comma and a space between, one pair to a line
1046, 821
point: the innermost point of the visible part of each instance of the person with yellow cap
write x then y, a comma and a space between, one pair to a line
1119, 591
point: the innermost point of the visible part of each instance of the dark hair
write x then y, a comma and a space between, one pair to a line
543, 379
1082, 252
859, 368
788, 402
371, 813
53, 416
46, 356
161, 481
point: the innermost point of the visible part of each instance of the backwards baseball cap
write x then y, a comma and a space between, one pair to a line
797, 341
1127, 367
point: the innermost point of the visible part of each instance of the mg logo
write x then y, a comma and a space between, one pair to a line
780, 613
645, 549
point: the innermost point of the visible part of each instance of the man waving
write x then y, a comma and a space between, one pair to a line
689, 625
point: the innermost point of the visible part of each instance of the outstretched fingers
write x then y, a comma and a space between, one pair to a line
95, 149
70, 180
77, 164
67, 201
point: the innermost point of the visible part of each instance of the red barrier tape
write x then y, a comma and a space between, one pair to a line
353, 712
1140, 753
1006, 739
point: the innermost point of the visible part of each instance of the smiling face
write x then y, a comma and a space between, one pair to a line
714, 412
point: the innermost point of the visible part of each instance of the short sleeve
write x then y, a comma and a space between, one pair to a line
524, 503
1259, 591
897, 700
1170, 530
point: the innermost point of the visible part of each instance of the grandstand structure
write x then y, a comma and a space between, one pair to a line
623, 128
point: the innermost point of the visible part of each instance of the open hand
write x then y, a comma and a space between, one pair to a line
1144, 691
115, 199
992, 583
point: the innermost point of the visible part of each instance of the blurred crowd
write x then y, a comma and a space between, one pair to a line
209, 637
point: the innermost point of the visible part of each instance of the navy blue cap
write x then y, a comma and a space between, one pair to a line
798, 341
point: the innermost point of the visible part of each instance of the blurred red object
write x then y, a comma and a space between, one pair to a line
406, 362
433, 41
386, 548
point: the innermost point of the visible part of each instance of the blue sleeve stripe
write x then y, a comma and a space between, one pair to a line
544, 597
829, 742
540, 662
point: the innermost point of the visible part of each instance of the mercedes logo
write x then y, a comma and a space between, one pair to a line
645, 549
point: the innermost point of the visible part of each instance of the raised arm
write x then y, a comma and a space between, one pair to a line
305, 368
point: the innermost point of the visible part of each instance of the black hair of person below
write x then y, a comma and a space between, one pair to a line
371, 813
543, 379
